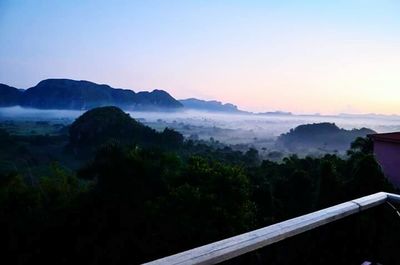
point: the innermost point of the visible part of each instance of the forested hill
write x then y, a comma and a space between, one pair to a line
110, 124
81, 95
327, 136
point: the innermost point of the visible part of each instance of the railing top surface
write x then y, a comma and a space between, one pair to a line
235, 246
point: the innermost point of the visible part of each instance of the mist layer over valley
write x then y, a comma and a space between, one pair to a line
61, 101
240, 131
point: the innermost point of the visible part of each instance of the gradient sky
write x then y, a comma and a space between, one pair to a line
300, 56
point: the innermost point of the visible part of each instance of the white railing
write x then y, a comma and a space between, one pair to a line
238, 245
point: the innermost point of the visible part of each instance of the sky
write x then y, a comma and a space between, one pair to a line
301, 56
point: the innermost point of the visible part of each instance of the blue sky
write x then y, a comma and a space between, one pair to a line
300, 56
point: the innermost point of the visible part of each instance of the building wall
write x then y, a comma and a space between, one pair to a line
388, 156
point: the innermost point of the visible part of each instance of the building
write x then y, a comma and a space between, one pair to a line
387, 153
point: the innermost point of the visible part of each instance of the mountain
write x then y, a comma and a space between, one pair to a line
72, 94
210, 105
104, 124
324, 136
9, 96
217, 106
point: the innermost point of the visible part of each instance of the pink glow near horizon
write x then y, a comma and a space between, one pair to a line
314, 57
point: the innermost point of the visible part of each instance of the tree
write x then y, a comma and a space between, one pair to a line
171, 138
329, 191
363, 145
368, 177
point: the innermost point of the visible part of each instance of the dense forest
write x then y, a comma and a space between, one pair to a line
110, 190
324, 136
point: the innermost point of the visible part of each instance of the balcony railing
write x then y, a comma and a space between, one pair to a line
238, 245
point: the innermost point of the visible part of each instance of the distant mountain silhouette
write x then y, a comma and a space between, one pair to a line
209, 105
217, 106
81, 95
9, 96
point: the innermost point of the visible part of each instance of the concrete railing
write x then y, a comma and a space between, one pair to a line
238, 245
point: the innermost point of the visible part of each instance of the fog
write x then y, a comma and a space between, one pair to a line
22, 114
271, 125
259, 131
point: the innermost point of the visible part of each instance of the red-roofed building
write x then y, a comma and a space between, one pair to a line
387, 153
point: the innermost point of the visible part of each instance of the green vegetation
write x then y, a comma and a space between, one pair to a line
322, 136
138, 194
100, 125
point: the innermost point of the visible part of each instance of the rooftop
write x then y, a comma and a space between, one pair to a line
386, 137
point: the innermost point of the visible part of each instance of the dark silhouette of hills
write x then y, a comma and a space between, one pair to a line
100, 124
104, 124
210, 105
217, 106
326, 136
9, 96
81, 95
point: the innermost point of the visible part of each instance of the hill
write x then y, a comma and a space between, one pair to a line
325, 136
101, 125
209, 105
9, 96
82, 95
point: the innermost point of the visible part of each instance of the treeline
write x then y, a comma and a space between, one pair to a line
327, 137
132, 203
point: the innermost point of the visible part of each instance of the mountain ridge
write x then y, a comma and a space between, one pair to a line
210, 105
9, 95
82, 94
